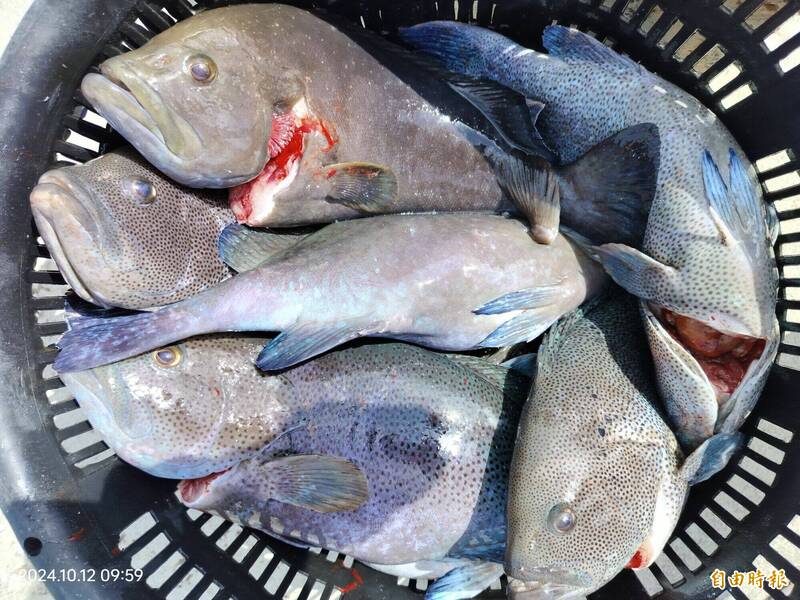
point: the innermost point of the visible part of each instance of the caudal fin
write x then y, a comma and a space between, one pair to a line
606, 194
101, 340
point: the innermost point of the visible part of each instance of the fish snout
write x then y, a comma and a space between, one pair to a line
537, 590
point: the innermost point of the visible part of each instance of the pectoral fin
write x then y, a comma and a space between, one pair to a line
711, 457
523, 328
317, 482
634, 271
465, 582
243, 248
362, 186
523, 299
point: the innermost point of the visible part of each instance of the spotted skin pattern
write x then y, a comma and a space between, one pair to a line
122, 250
591, 438
726, 281
433, 437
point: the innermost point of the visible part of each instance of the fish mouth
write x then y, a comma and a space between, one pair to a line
138, 112
726, 359
548, 584
194, 492
59, 203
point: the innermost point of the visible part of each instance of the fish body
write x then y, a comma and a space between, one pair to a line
432, 436
445, 281
123, 235
356, 127
705, 255
598, 479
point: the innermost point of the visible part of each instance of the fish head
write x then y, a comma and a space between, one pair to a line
195, 100
104, 223
172, 412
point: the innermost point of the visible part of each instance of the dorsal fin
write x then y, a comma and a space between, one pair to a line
571, 45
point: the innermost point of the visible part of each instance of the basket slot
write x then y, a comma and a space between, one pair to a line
702, 539
787, 550
651, 19
686, 556
190, 578
181, 9
69, 418
731, 6
649, 582
767, 13
741, 93
775, 431
40, 291
731, 506
229, 536
774, 160
720, 527
719, 77
241, 548
153, 555
710, 57
259, 568
676, 35
689, 46
279, 579
102, 135
766, 450
212, 525
135, 34
203, 591
95, 459
153, 18
757, 470
174, 566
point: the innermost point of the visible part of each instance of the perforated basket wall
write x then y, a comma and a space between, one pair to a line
74, 505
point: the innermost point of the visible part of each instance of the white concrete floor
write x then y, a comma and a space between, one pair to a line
13, 562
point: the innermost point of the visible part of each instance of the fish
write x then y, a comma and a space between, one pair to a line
704, 272
450, 281
123, 235
598, 479
311, 120
390, 453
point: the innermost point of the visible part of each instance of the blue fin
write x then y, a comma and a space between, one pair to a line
304, 341
465, 582
572, 45
243, 248
456, 45
79, 313
524, 363
634, 271
522, 300
523, 328
773, 224
711, 457
316, 482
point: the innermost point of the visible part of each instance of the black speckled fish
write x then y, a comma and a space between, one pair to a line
704, 272
333, 122
598, 480
123, 235
390, 453
447, 281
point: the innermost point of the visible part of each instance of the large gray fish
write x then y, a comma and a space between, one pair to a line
704, 272
337, 123
124, 235
598, 480
393, 454
448, 281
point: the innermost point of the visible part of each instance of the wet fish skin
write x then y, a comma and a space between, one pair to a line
697, 259
437, 475
123, 235
446, 281
595, 458
320, 117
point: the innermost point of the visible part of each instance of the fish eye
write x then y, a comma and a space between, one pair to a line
561, 518
167, 357
142, 191
201, 68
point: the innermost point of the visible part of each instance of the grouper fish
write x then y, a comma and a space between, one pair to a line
704, 271
454, 281
598, 479
390, 453
124, 235
327, 121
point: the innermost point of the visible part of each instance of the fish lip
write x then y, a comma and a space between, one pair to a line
57, 182
535, 589
139, 97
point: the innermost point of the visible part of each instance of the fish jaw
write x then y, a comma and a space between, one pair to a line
201, 492
549, 585
67, 226
702, 371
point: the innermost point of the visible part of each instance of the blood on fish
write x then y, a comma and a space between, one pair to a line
286, 146
191, 489
637, 561
723, 357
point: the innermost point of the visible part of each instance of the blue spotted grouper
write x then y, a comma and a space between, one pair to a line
317, 120
598, 479
704, 271
390, 453
451, 281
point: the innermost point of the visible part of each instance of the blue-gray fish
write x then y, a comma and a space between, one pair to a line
447, 281
334, 122
598, 480
124, 235
704, 272
390, 453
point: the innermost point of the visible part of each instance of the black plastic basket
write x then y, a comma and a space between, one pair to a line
82, 513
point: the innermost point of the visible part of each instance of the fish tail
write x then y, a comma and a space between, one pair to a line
607, 193
99, 340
